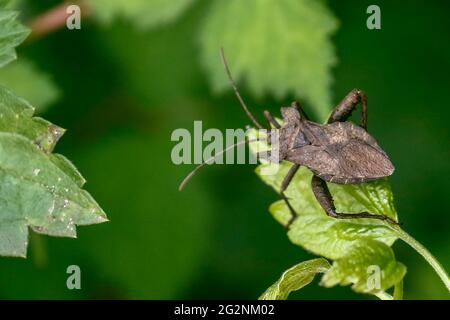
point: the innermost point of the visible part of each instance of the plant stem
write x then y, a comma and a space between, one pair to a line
438, 268
398, 291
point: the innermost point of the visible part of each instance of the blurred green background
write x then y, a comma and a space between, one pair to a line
124, 90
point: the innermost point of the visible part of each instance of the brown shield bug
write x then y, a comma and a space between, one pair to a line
338, 151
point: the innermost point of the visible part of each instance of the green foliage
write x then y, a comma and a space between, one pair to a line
156, 242
279, 47
154, 54
11, 4
299, 32
12, 33
317, 232
25, 79
39, 189
163, 240
336, 239
295, 278
144, 14
353, 267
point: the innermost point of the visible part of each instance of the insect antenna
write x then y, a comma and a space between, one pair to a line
208, 161
236, 91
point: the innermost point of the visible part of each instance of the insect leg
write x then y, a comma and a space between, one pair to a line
297, 106
286, 181
323, 195
345, 108
271, 119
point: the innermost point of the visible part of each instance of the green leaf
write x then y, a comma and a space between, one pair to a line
329, 237
10, 4
12, 33
38, 189
370, 267
295, 278
319, 233
143, 14
278, 47
28, 81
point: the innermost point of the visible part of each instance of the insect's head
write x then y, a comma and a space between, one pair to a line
291, 116
290, 133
